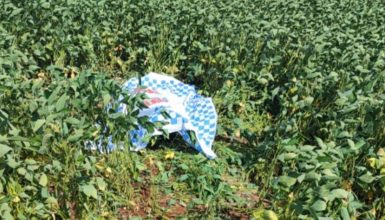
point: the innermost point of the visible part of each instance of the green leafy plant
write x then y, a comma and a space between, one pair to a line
298, 86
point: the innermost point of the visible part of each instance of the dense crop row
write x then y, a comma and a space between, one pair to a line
299, 87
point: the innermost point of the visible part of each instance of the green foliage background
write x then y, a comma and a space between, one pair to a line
299, 87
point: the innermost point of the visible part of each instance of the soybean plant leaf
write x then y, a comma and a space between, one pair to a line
344, 134
351, 144
101, 183
274, 92
78, 134
289, 156
321, 144
287, 180
183, 177
345, 214
4, 149
6, 212
106, 98
367, 178
38, 124
339, 193
43, 180
61, 102
72, 121
313, 176
3, 138
319, 205
90, 191
45, 5
309, 100
16, 12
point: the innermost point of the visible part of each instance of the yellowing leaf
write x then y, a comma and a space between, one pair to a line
381, 152
169, 155
264, 214
371, 162
269, 215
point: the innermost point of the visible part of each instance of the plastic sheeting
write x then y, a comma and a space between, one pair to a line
188, 111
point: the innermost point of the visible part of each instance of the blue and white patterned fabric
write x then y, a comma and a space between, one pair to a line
188, 111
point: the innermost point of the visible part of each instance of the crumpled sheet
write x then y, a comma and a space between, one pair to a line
188, 111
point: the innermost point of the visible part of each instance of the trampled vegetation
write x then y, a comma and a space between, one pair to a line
299, 87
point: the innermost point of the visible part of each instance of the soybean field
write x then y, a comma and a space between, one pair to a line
298, 85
